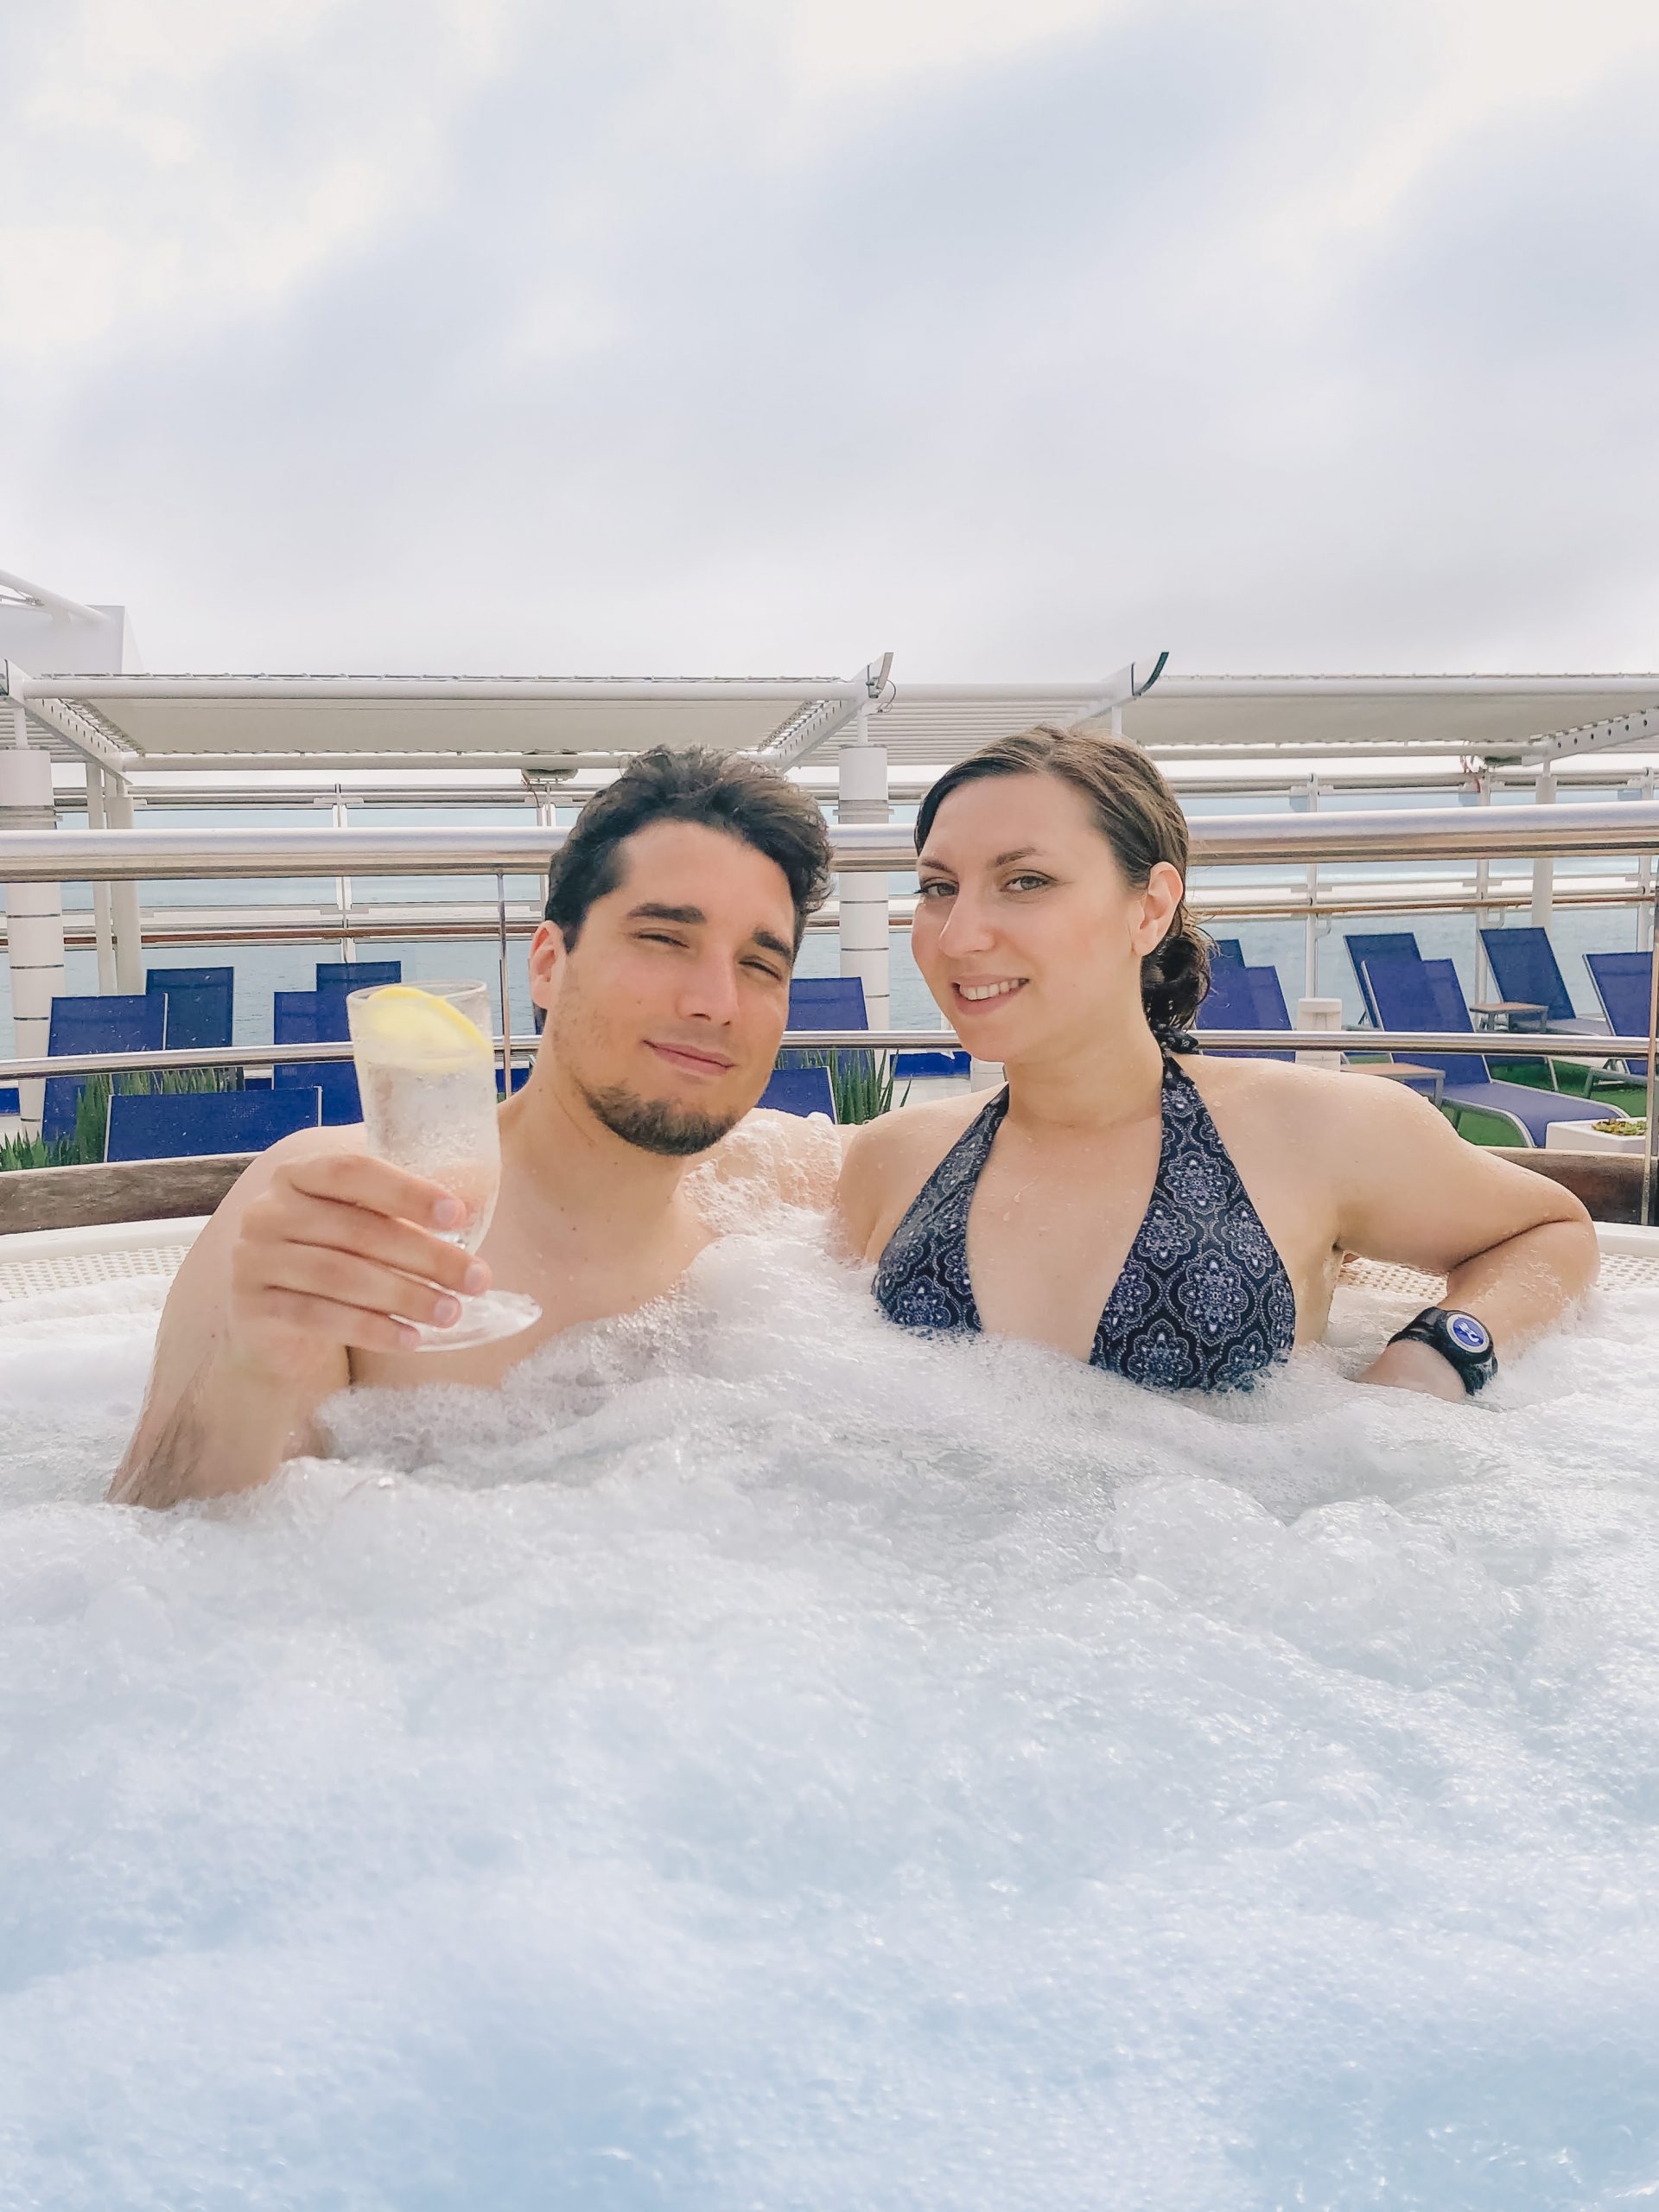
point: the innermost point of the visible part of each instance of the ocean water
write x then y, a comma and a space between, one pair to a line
762, 1759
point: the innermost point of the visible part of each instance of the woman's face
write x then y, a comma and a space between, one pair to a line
1027, 928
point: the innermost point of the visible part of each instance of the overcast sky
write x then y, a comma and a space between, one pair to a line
742, 336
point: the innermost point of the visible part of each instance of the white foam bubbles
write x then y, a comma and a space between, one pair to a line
761, 1759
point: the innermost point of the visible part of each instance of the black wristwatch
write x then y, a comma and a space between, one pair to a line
1457, 1336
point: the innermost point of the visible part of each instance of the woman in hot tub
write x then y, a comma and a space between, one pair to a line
1177, 1219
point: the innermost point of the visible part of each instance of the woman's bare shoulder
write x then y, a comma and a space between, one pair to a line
914, 1132
1325, 1112
1278, 1086
889, 1158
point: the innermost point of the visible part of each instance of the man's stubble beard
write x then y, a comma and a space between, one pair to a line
653, 1125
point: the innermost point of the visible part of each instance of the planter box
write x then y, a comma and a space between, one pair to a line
1584, 1136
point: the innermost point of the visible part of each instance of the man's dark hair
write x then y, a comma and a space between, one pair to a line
722, 791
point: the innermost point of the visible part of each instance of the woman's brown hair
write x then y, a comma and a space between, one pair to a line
1140, 819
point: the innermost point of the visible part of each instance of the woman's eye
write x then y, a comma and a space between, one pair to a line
938, 888
1027, 883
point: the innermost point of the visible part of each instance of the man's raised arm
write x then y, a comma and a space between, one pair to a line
316, 1249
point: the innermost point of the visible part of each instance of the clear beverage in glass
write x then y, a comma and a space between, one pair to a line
426, 1071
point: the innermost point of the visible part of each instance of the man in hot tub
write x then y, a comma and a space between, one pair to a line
674, 912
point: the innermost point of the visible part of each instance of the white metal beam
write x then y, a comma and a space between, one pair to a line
825, 717
1638, 729
448, 688
1120, 688
50, 603
80, 730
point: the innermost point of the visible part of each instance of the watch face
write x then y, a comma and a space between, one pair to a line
1467, 1333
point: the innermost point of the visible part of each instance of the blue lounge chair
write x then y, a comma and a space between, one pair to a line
824, 1002
1226, 952
358, 975
800, 1090
1244, 998
1390, 945
1525, 969
828, 1002
132, 1021
316, 1018
925, 1064
200, 1004
187, 1124
1623, 983
1413, 994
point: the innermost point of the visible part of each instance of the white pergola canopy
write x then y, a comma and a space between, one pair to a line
135, 722
130, 723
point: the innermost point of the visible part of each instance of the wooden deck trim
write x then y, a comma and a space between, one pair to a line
138, 1190
1610, 1184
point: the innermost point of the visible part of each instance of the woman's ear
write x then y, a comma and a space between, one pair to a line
1164, 890
547, 958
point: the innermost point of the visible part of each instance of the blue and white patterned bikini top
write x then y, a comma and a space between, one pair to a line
1203, 1303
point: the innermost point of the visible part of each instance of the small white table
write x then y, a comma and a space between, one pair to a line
1509, 1014
1396, 1072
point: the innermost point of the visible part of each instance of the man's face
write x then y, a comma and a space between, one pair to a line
668, 1012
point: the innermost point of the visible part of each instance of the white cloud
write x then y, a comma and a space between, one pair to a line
169, 165
699, 336
834, 47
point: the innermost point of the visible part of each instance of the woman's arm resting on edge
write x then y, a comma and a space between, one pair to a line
1516, 1249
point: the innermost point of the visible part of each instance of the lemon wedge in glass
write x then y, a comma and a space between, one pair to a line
407, 1027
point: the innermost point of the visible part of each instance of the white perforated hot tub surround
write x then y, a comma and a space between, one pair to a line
21, 1278
63, 1259
1618, 1270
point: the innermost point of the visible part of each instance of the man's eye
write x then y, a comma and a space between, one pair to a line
765, 968
658, 936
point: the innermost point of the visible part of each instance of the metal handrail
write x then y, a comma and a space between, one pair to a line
301, 924
1519, 1043
1232, 840
1460, 834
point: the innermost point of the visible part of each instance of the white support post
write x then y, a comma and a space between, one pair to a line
1313, 1013
1310, 942
1543, 871
343, 886
1485, 987
863, 796
128, 930
33, 914
97, 819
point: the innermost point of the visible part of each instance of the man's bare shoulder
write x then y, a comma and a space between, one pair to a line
259, 1175
798, 1157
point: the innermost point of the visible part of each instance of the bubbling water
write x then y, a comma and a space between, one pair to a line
760, 1758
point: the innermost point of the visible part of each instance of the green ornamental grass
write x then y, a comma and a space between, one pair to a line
85, 1142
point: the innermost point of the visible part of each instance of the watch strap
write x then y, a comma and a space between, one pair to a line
1461, 1340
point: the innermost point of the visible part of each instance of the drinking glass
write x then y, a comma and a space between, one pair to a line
426, 1071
